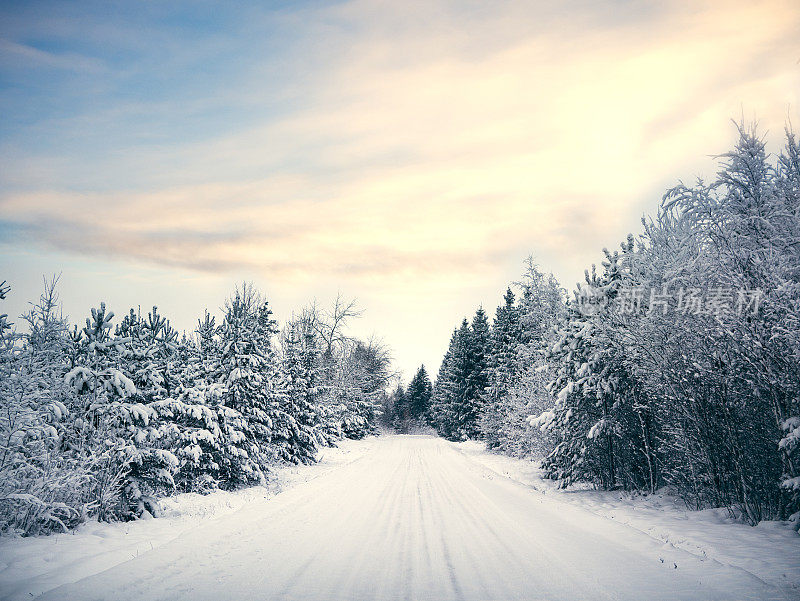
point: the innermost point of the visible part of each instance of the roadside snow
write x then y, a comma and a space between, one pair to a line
769, 551
32, 566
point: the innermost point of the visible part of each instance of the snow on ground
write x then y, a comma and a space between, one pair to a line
32, 566
414, 518
409, 517
769, 551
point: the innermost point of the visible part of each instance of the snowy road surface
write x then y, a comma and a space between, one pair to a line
415, 519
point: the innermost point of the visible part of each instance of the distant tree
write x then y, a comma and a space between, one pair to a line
400, 418
419, 395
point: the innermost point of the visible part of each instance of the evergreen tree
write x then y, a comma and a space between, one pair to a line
419, 395
301, 437
456, 400
401, 409
505, 337
114, 426
248, 373
190, 423
101, 421
444, 390
590, 416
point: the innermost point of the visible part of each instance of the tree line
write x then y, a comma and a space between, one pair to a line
100, 421
675, 363
407, 409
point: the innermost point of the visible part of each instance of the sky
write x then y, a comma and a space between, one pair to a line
408, 154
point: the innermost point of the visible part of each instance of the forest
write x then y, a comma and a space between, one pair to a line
676, 363
100, 421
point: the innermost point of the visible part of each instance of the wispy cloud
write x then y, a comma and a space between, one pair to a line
22, 55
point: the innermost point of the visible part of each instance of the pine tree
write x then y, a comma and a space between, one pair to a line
301, 418
190, 423
401, 409
250, 398
113, 426
419, 396
456, 400
597, 437
444, 390
476, 339
504, 339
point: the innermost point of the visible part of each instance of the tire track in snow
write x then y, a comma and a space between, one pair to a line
413, 519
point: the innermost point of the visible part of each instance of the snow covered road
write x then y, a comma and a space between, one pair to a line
415, 519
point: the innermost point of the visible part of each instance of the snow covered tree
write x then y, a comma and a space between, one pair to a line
581, 419
249, 374
410, 407
698, 388
478, 378
114, 425
519, 337
189, 422
593, 420
445, 389
301, 390
504, 338
364, 373
353, 374
40, 491
148, 356
99, 422
741, 233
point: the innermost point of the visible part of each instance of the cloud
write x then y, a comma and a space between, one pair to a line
17, 55
428, 141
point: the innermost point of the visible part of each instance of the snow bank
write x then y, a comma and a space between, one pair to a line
769, 551
32, 566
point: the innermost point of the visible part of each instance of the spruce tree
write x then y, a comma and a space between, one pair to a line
442, 404
248, 373
455, 404
504, 339
419, 396
115, 426
298, 441
591, 417
477, 343
401, 409
191, 422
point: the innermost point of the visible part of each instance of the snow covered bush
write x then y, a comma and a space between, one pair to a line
42, 488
